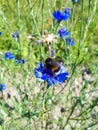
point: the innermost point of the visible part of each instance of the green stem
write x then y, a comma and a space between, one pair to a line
72, 110
5, 20
42, 17
91, 125
18, 8
0, 69
78, 53
72, 20
19, 46
33, 18
89, 6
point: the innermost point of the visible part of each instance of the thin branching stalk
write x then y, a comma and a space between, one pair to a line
81, 40
33, 17
42, 17
89, 21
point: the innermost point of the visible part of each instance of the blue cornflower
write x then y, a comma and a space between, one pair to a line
9, 55
59, 16
0, 33
2, 87
70, 41
20, 61
23, 61
15, 35
75, 1
63, 32
47, 75
52, 52
67, 12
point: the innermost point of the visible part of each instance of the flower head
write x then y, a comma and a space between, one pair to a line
70, 41
18, 61
52, 52
59, 16
15, 35
48, 38
47, 75
63, 32
9, 55
23, 61
75, 1
2, 87
67, 12
0, 33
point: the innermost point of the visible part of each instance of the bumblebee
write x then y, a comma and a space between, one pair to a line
53, 64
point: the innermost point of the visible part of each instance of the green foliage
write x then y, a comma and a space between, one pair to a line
28, 102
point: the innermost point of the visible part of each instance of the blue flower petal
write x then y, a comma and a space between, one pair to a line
2, 87
15, 35
52, 81
37, 73
67, 10
0, 33
46, 74
63, 32
59, 16
18, 61
11, 57
23, 61
70, 42
7, 54
75, 1
62, 77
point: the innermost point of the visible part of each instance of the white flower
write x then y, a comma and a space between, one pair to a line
48, 38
